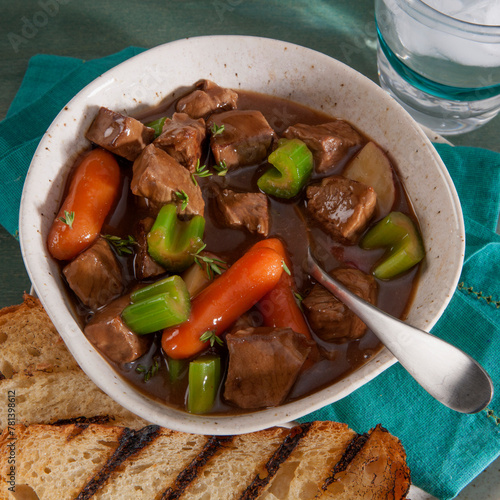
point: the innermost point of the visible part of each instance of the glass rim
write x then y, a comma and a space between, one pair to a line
464, 29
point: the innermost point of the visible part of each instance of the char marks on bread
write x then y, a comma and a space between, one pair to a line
312, 460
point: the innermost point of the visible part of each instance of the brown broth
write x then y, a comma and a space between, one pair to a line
290, 222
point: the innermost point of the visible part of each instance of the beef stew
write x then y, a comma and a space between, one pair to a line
221, 187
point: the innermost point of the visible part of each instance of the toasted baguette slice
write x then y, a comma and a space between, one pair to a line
311, 462
29, 341
235, 465
55, 461
48, 397
154, 468
378, 471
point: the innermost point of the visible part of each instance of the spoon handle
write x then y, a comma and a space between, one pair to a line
444, 371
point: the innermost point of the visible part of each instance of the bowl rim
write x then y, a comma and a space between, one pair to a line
89, 358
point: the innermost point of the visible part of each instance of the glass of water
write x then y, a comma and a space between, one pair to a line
441, 60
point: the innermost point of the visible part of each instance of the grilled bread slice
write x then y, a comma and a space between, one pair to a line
375, 471
43, 397
29, 341
55, 461
313, 460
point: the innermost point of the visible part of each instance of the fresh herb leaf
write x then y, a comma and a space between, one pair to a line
68, 219
122, 246
183, 197
216, 129
157, 125
299, 298
149, 373
210, 335
200, 171
285, 268
221, 168
211, 263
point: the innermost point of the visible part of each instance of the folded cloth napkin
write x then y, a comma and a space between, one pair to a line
445, 449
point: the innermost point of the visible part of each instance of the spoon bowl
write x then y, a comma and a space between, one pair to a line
448, 374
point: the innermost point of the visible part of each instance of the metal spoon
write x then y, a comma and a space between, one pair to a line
444, 371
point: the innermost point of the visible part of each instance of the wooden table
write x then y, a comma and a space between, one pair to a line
343, 29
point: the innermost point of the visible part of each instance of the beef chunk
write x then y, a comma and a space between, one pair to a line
330, 319
208, 98
329, 142
119, 134
145, 266
263, 365
342, 206
157, 177
245, 140
95, 275
182, 138
249, 210
107, 331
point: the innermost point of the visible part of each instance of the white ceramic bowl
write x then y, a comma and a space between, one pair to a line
271, 67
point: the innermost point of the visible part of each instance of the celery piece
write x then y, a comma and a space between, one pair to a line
173, 242
156, 312
176, 368
204, 380
400, 236
157, 125
171, 285
292, 166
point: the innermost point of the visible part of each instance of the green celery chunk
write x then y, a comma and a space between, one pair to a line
157, 125
173, 243
400, 236
171, 285
204, 380
292, 166
176, 368
155, 312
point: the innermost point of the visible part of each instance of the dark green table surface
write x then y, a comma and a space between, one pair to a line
88, 29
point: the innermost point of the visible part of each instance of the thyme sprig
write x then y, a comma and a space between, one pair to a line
221, 168
211, 336
216, 129
285, 268
123, 246
68, 219
200, 171
211, 263
149, 373
183, 197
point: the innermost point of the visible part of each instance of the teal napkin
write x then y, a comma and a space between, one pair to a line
445, 449
50, 82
